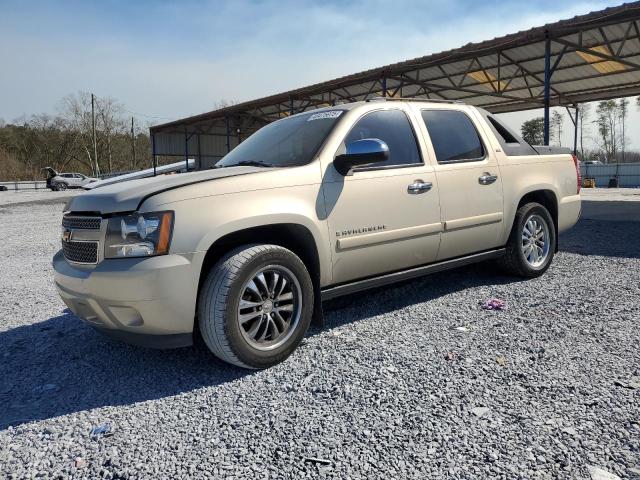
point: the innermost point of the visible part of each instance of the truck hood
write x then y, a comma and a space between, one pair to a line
127, 196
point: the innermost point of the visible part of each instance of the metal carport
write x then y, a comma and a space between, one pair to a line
589, 57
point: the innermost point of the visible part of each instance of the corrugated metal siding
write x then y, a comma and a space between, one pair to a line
628, 174
173, 144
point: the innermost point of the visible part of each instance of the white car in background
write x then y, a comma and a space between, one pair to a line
61, 181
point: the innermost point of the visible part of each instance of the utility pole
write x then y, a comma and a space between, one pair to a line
623, 113
93, 132
133, 146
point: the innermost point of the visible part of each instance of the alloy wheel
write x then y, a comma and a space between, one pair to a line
269, 307
535, 240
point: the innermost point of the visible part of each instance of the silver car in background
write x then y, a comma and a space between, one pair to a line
61, 181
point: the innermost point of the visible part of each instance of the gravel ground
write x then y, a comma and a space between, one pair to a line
36, 197
415, 381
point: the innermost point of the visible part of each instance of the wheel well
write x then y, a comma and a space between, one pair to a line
291, 236
547, 199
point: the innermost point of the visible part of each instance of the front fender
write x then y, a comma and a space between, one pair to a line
200, 222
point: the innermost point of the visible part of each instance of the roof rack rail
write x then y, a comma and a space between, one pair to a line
412, 99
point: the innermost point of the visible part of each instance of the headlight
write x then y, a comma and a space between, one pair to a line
138, 235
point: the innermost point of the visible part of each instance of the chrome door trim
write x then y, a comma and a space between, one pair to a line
468, 222
376, 238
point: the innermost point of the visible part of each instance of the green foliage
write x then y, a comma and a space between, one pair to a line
533, 131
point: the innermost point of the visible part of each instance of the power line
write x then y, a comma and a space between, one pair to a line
146, 116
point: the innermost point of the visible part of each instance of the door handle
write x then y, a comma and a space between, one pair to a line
418, 186
487, 179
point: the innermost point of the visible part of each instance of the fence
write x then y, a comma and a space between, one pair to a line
628, 174
30, 185
41, 184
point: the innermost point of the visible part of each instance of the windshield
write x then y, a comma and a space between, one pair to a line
289, 142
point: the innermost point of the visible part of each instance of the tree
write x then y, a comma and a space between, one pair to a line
623, 110
77, 111
65, 142
584, 112
533, 131
607, 119
109, 113
555, 126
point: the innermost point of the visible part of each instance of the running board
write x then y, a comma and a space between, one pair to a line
389, 278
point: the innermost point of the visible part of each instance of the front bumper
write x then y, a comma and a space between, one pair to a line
144, 301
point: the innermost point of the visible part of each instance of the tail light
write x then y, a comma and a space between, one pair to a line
576, 162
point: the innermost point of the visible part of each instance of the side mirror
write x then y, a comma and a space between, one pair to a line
361, 152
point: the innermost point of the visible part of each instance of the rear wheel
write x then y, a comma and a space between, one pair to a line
532, 242
256, 306
59, 187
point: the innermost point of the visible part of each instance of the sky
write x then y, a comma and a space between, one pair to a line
166, 60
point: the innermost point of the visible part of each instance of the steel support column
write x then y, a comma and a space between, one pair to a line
547, 87
226, 119
574, 120
575, 132
186, 151
199, 154
153, 153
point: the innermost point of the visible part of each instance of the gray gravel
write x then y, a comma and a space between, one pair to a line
391, 388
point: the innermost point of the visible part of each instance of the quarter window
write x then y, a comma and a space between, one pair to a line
453, 135
393, 128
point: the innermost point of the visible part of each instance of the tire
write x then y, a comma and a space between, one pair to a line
516, 261
59, 187
220, 312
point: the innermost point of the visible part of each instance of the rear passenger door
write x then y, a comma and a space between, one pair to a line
77, 180
471, 197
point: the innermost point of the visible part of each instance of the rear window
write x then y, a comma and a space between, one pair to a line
502, 131
453, 135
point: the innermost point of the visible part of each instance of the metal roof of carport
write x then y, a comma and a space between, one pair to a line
589, 57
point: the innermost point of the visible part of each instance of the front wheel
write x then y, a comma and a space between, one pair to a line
256, 306
532, 242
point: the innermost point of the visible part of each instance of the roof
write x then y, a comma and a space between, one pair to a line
594, 56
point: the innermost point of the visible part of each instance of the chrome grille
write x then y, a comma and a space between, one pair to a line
81, 223
80, 252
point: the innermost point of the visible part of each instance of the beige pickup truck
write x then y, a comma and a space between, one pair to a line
317, 205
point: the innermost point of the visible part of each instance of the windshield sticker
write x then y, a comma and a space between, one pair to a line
321, 115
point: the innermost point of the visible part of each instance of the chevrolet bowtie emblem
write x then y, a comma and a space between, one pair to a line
66, 235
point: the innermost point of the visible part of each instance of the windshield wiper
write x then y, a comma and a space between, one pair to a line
251, 163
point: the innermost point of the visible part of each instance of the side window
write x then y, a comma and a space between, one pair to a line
454, 137
393, 128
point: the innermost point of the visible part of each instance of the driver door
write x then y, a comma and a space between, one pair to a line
378, 220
